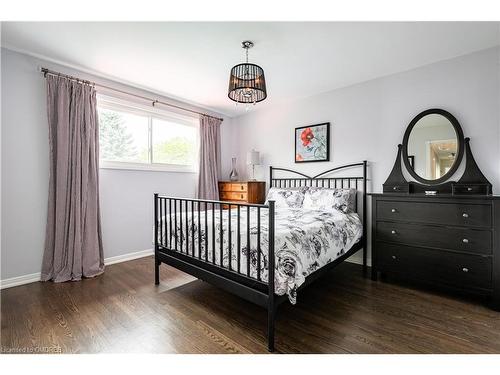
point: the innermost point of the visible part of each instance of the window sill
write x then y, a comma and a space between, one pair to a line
146, 167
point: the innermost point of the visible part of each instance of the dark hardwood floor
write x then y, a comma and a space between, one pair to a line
122, 311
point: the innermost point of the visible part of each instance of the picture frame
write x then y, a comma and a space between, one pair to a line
312, 143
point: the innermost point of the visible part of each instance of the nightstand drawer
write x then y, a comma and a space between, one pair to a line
232, 196
234, 187
466, 271
239, 187
475, 241
476, 215
225, 186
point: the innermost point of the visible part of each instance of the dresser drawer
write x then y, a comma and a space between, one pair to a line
435, 213
396, 188
232, 196
476, 241
471, 189
460, 270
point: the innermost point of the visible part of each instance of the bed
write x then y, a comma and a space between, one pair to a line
266, 253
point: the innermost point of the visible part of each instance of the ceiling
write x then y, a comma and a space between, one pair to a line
191, 60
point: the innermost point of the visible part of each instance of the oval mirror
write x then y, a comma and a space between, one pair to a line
433, 146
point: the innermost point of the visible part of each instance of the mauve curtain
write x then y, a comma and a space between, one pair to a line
209, 157
73, 241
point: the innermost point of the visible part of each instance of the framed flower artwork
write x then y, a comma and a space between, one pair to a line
312, 143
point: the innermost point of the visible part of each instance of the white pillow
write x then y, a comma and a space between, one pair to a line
319, 198
286, 197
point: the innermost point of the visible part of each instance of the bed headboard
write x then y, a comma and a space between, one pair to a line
356, 180
324, 179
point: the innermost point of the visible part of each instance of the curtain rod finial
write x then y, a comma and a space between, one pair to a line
43, 70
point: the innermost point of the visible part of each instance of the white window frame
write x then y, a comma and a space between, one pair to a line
120, 105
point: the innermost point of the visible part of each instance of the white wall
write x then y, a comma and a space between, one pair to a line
368, 120
126, 196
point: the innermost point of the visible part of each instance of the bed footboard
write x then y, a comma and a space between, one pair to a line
204, 238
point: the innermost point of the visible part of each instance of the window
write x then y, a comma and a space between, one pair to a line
123, 137
173, 143
136, 137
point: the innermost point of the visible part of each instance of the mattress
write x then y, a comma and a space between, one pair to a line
305, 241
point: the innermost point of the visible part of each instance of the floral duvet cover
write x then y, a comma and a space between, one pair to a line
305, 240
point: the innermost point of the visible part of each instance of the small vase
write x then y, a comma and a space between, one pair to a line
233, 176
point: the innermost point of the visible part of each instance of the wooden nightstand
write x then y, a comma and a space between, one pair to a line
242, 191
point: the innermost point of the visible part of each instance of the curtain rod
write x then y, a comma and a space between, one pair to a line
46, 71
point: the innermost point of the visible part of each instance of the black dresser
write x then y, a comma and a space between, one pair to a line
449, 240
432, 223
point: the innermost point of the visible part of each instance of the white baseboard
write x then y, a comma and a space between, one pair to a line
129, 256
34, 277
20, 280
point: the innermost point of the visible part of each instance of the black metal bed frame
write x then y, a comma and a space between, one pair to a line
239, 281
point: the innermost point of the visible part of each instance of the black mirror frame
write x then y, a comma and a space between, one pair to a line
460, 146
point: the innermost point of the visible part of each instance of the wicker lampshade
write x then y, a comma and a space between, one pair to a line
247, 83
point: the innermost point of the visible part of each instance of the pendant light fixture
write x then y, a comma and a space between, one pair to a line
247, 83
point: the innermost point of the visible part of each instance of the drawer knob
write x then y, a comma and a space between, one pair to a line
393, 210
469, 189
465, 240
241, 196
395, 188
465, 269
393, 257
465, 214
393, 231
